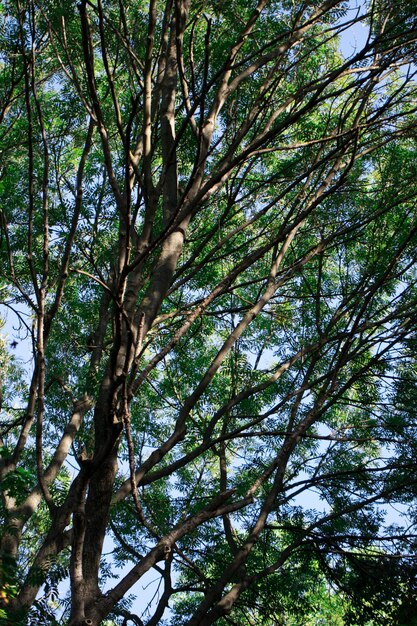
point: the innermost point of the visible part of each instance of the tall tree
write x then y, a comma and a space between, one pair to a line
209, 235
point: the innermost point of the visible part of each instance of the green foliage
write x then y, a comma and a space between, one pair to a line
208, 246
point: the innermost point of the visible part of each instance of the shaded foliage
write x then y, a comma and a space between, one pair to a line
208, 243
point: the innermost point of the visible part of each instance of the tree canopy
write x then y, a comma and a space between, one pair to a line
208, 246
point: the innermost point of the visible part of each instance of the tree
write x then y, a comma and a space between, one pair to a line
208, 233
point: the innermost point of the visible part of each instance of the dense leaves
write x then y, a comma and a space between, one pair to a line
208, 244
